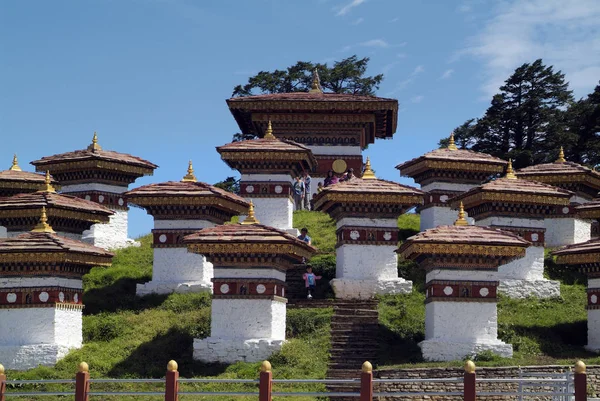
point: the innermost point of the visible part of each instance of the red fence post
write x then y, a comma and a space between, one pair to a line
172, 382
265, 383
2, 384
580, 380
82, 382
366, 382
469, 382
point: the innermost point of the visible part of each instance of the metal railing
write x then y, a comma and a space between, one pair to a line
559, 386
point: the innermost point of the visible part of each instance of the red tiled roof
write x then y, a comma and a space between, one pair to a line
472, 235
23, 176
49, 242
459, 155
309, 97
52, 200
556, 168
265, 145
591, 246
100, 155
370, 186
179, 189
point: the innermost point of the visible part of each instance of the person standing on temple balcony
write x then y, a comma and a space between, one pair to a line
299, 192
349, 175
330, 179
307, 190
304, 236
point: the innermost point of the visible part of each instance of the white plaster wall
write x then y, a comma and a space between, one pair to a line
259, 272
469, 275
530, 267
529, 288
366, 262
442, 350
362, 222
115, 189
220, 350
31, 326
44, 281
23, 357
68, 328
112, 235
461, 321
593, 342
367, 289
436, 216
196, 224
274, 212
3, 232
447, 186
511, 222
335, 150
567, 231
266, 178
579, 199
246, 319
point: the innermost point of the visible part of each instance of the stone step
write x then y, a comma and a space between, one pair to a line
338, 349
356, 319
356, 312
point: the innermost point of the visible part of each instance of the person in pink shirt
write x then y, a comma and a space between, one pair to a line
310, 281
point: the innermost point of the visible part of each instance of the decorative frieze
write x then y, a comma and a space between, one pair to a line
39, 296
271, 189
111, 200
366, 236
461, 291
257, 288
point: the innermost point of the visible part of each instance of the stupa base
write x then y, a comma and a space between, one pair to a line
529, 288
168, 287
593, 348
218, 350
23, 357
367, 289
439, 350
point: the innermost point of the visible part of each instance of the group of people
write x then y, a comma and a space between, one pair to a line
302, 188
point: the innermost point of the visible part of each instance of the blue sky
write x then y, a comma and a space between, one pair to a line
151, 76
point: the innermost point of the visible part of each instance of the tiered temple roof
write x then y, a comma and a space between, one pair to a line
590, 210
15, 181
585, 255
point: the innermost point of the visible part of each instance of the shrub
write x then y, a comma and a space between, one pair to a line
306, 322
103, 327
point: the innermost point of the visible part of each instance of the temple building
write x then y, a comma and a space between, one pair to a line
336, 127
366, 212
69, 215
461, 262
41, 295
180, 209
268, 167
566, 226
16, 181
248, 312
590, 211
519, 206
444, 173
102, 176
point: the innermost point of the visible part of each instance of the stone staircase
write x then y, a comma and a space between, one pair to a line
295, 287
354, 332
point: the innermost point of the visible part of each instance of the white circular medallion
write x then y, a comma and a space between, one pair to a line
87, 197
594, 299
250, 189
224, 288
354, 234
61, 296
121, 202
535, 237
565, 210
162, 238
44, 296
101, 198
443, 198
76, 298
387, 235
448, 290
261, 289
278, 189
484, 292
11, 297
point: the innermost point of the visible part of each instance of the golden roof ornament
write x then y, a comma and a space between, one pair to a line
561, 156
48, 184
316, 83
510, 173
269, 132
94, 146
189, 177
368, 174
461, 221
15, 164
251, 219
451, 144
43, 226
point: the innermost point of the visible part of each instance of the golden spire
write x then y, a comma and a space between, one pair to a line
43, 226
189, 177
561, 156
316, 83
251, 219
451, 144
461, 221
368, 174
510, 173
15, 164
94, 146
269, 132
48, 184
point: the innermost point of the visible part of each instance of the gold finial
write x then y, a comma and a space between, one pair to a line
83, 367
189, 177
316, 83
43, 226
561, 156
580, 367
94, 146
461, 221
368, 174
510, 173
1, 369
15, 164
469, 367
367, 367
172, 366
251, 219
265, 366
269, 132
48, 184
451, 144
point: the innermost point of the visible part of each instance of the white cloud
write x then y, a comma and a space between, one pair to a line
394, 20
388, 67
447, 74
417, 99
563, 34
463, 8
375, 43
418, 69
358, 21
343, 10
402, 55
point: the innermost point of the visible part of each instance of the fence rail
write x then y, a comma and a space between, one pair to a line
565, 387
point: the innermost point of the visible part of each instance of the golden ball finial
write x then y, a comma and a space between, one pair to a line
269, 131
172, 366
48, 183
95, 146
510, 173
15, 164
470, 367
1, 369
316, 83
43, 226
580, 367
83, 367
190, 176
368, 174
251, 219
461, 221
561, 156
265, 366
451, 144
367, 367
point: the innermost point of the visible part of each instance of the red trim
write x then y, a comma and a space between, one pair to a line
31, 296
270, 189
460, 290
